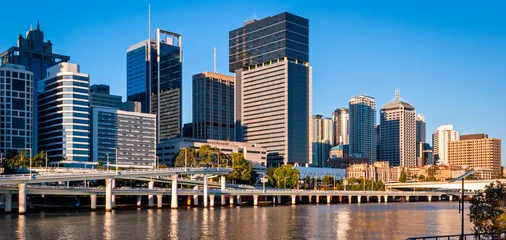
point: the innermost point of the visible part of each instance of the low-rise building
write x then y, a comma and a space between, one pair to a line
168, 149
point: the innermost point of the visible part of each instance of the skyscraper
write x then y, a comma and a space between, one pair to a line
322, 137
440, 139
16, 109
421, 132
154, 78
476, 151
213, 106
398, 133
270, 59
100, 95
64, 116
341, 117
37, 56
362, 127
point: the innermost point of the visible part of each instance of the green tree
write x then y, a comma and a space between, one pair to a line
286, 175
431, 174
39, 160
205, 156
488, 209
403, 177
242, 169
421, 177
328, 182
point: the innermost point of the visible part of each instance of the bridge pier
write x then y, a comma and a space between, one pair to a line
255, 200
359, 198
93, 202
300, 198
239, 200
294, 199
379, 199
273, 199
386, 198
139, 201
159, 201
108, 195
189, 200
151, 200
349, 198
211, 200
407, 198
205, 191
231, 200
196, 200
222, 182
278, 200
8, 202
329, 198
310, 198
429, 198
451, 198
439, 198
340, 198
173, 197
22, 198
113, 197
367, 198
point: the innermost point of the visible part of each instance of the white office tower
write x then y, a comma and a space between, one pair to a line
440, 139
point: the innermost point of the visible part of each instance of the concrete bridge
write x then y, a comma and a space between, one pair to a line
469, 185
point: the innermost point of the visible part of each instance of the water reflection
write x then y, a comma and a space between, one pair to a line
108, 225
174, 224
20, 230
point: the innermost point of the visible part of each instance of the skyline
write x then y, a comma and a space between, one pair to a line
442, 60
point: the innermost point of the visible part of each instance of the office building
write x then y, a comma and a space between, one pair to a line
130, 135
154, 78
131, 106
270, 60
398, 133
168, 149
341, 117
100, 95
440, 139
424, 156
476, 151
36, 54
64, 115
16, 108
188, 130
421, 131
362, 127
213, 106
340, 151
321, 139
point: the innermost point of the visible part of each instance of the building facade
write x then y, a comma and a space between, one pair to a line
36, 54
398, 133
440, 139
130, 135
100, 95
154, 78
213, 106
322, 137
167, 150
341, 117
362, 127
273, 86
16, 108
64, 116
476, 151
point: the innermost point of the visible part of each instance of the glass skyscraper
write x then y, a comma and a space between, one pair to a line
270, 59
154, 78
362, 111
64, 114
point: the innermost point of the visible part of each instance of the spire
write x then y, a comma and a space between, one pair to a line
38, 25
397, 95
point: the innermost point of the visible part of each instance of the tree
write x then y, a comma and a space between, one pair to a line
328, 181
205, 156
488, 209
39, 160
431, 174
403, 177
242, 169
421, 177
286, 175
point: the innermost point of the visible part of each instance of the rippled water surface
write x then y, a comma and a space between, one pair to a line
339, 221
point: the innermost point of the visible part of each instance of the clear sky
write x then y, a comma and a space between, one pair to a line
447, 57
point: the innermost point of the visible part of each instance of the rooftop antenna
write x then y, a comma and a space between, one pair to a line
38, 25
215, 59
254, 16
149, 22
397, 95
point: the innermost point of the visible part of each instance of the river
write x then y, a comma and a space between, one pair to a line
336, 221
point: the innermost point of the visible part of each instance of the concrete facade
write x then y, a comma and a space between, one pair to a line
440, 139
322, 137
341, 118
476, 151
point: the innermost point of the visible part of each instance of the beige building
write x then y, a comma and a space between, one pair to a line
476, 151
341, 118
440, 139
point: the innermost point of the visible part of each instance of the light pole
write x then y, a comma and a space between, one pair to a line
116, 157
107, 157
157, 161
46, 159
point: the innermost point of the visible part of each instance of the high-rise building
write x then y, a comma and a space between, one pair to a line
440, 139
130, 135
398, 133
64, 116
37, 56
421, 131
213, 106
362, 127
476, 151
341, 117
322, 137
154, 78
16, 108
100, 95
270, 59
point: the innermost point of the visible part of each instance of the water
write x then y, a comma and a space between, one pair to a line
338, 221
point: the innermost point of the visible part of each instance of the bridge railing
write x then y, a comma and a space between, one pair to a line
467, 236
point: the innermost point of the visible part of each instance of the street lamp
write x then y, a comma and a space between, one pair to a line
46, 158
107, 157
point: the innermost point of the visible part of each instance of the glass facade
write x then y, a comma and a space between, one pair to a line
362, 127
137, 76
100, 96
268, 39
63, 114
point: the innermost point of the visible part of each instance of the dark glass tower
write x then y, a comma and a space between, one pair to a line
270, 59
154, 78
37, 56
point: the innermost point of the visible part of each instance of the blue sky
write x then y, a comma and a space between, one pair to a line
447, 57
